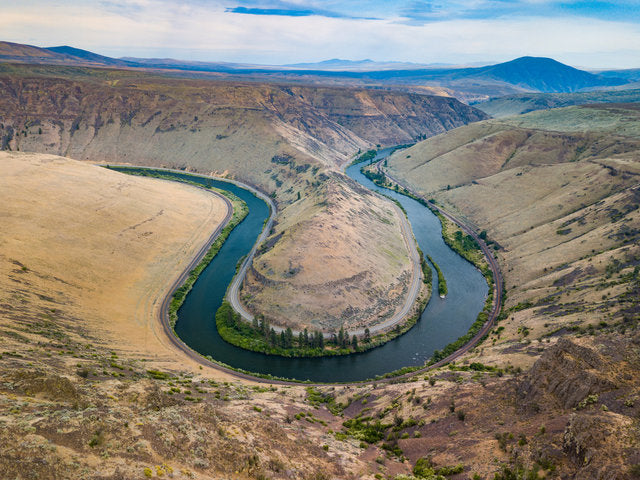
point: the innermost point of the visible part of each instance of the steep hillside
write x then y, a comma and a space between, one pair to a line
282, 139
332, 287
102, 114
94, 249
557, 191
525, 103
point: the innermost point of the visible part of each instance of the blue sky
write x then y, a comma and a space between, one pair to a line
582, 33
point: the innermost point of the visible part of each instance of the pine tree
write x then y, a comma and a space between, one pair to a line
354, 343
263, 328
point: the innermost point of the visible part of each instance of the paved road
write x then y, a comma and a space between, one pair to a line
233, 292
493, 264
171, 336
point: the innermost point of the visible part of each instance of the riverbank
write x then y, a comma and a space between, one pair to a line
464, 241
261, 337
397, 355
239, 211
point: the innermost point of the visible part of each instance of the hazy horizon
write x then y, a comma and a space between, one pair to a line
594, 35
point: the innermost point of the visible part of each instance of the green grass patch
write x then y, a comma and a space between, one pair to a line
259, 336
442, 282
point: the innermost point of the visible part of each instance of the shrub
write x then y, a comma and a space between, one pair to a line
96, 439
502, 440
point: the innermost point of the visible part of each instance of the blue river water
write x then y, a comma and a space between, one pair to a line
442, 322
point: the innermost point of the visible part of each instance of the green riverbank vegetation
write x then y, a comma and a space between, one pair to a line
240, 211
367, 156
463, 244
442, 282
260, 336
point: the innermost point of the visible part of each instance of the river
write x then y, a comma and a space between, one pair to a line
442, 322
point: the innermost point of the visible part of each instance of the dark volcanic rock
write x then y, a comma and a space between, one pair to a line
566, 372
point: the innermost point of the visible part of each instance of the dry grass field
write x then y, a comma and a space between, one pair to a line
85, 242
558, 191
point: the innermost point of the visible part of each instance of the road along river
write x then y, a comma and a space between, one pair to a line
442, 322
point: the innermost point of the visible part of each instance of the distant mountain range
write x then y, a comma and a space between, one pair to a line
56, 56
337, 64
525, 74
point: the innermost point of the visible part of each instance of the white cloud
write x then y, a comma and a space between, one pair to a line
205, 32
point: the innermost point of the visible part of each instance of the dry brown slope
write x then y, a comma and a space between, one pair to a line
99, 246
339, 261
281, 138
208, 125
70, 408
558, 191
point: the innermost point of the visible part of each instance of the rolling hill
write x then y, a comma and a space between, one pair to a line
530, 102
557, 193
90, 57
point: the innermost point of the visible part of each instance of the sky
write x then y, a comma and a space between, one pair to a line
587, 34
